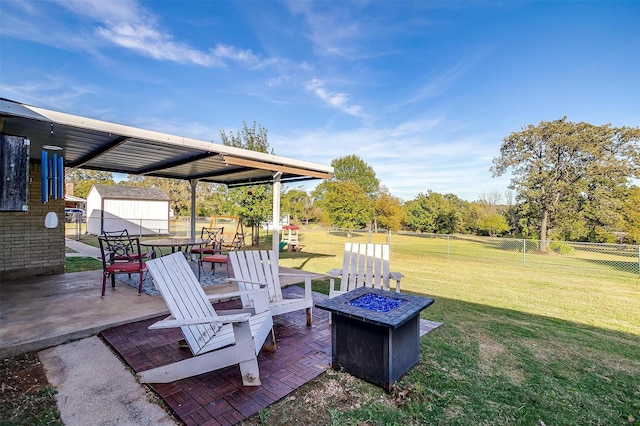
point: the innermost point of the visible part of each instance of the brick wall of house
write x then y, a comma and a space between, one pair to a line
27, 248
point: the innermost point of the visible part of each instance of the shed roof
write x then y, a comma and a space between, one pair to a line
99, 145
120, 192
74, 199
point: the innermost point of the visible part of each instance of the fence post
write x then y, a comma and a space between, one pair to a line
389, 237
448, 246
524, 252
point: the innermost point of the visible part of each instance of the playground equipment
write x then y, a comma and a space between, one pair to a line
290, 240
233, 234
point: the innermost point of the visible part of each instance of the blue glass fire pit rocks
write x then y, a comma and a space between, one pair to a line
375, 334
375, 302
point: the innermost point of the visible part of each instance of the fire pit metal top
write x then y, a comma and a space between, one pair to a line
351, 304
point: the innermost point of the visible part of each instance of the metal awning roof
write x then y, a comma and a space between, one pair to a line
99, 145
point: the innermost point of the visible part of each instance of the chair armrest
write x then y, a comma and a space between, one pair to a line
262, 284
307, 283
396, 276
287, 274
231, 294
260, 298
171, 322
335, 273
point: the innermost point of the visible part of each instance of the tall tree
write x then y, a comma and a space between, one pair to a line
389, 211
353, 168
632, 215
556, 163
346, 205
493, 224
294, 202
252, 203
434, 212
253, 138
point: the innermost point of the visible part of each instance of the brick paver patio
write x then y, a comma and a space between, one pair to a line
218, 397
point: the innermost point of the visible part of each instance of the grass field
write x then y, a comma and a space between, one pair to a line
546, 343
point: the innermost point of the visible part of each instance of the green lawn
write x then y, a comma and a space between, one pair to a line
550, 342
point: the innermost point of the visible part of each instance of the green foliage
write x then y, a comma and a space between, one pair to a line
254, 138
254, 203
389, 211
436, 213
82, 181
353, 168
563, 169
493, 224
297, 204
632, 215
561, 248
346, 205
347, 200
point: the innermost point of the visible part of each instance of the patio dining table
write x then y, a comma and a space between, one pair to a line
176, 244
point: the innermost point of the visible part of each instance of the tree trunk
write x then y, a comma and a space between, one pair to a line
544, 224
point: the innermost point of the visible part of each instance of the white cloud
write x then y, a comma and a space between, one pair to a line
152, 42
95, 25
409, 158
50, 90
336, 100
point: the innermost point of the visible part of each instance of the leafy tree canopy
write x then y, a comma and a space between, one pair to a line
389, 211
253, 203
561, 167
83, 180
346, 205
434, 212
353, 168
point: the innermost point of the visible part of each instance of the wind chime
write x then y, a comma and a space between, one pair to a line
52, 171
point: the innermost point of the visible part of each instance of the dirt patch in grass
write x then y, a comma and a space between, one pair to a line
322, 399
494, 356
27, 398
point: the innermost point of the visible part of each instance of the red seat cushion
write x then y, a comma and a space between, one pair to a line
216, 258
125, 267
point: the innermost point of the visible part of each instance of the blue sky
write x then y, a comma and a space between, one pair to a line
424, 92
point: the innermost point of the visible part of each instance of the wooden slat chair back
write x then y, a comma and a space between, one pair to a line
364, 265
255, 268
216, 339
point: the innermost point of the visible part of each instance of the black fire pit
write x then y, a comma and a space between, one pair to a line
375, 334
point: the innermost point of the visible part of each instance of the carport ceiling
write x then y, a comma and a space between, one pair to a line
99, 145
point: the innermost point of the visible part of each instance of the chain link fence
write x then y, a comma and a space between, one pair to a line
621, 257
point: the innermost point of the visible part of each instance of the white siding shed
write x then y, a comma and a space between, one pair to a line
141, 211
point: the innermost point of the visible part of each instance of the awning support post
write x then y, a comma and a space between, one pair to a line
194, 183
275, 243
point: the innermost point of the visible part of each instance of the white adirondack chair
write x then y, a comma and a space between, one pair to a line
253, 268
216, 340
363, 265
